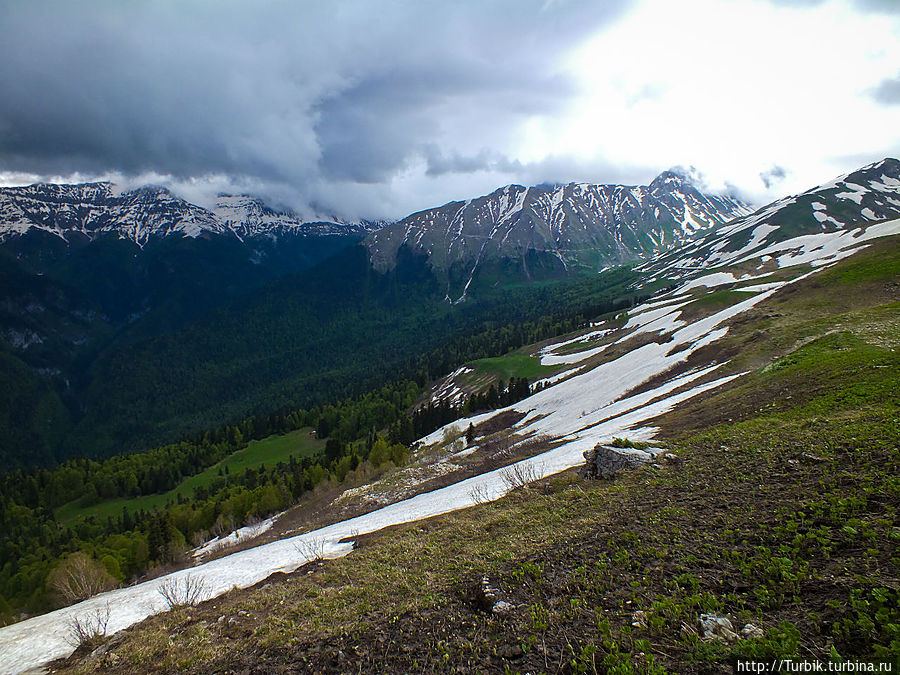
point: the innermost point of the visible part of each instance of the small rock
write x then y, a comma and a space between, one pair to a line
511, 652
502, 607
726, 635
221, 619
751, 631
715, 627
639, 619
487, 597
794, 462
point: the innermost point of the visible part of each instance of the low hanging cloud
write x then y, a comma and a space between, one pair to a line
774, 176
888, 91
292, 98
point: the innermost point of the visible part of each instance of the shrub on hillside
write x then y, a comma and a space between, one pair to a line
79, 577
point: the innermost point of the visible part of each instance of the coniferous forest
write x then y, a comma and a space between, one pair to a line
362, 422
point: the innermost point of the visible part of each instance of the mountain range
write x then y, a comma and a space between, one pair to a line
582, 226
129, 318
715, 383
86, 211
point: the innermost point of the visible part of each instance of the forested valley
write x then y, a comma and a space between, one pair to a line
46, 516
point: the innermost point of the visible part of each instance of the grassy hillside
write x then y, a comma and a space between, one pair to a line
269, 451
514, 364
781, 512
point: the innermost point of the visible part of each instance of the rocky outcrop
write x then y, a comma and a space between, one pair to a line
605, 461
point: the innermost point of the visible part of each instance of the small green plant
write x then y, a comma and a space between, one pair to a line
872, 618
783, 641
627, 443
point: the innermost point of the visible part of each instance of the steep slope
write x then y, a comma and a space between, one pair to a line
794, 228
575, 226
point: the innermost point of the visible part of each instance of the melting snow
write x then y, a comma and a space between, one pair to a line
547, 381
574, 357
825, 247
710, 281
856, 194
582, 411
238, 536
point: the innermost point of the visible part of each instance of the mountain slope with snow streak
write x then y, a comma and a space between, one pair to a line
846, 204
580, 225
617, 394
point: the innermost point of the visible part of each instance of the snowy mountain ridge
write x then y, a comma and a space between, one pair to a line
88, 210
807, 221
581, 224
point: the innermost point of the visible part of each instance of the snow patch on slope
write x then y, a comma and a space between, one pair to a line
581, 411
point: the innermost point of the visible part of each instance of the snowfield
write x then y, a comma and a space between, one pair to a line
236, 537
585, 409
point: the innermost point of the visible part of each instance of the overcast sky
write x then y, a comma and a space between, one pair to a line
375, 109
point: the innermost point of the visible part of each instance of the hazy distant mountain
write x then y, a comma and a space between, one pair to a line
88, 210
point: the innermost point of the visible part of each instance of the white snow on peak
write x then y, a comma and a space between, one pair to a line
886, 184
855, 192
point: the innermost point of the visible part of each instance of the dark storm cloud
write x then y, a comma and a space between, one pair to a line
888, 91
551, 170
275, 92
439, 164
773, 176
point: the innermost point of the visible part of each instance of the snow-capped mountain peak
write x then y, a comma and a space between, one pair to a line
847, 204
89, 210
581, 224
